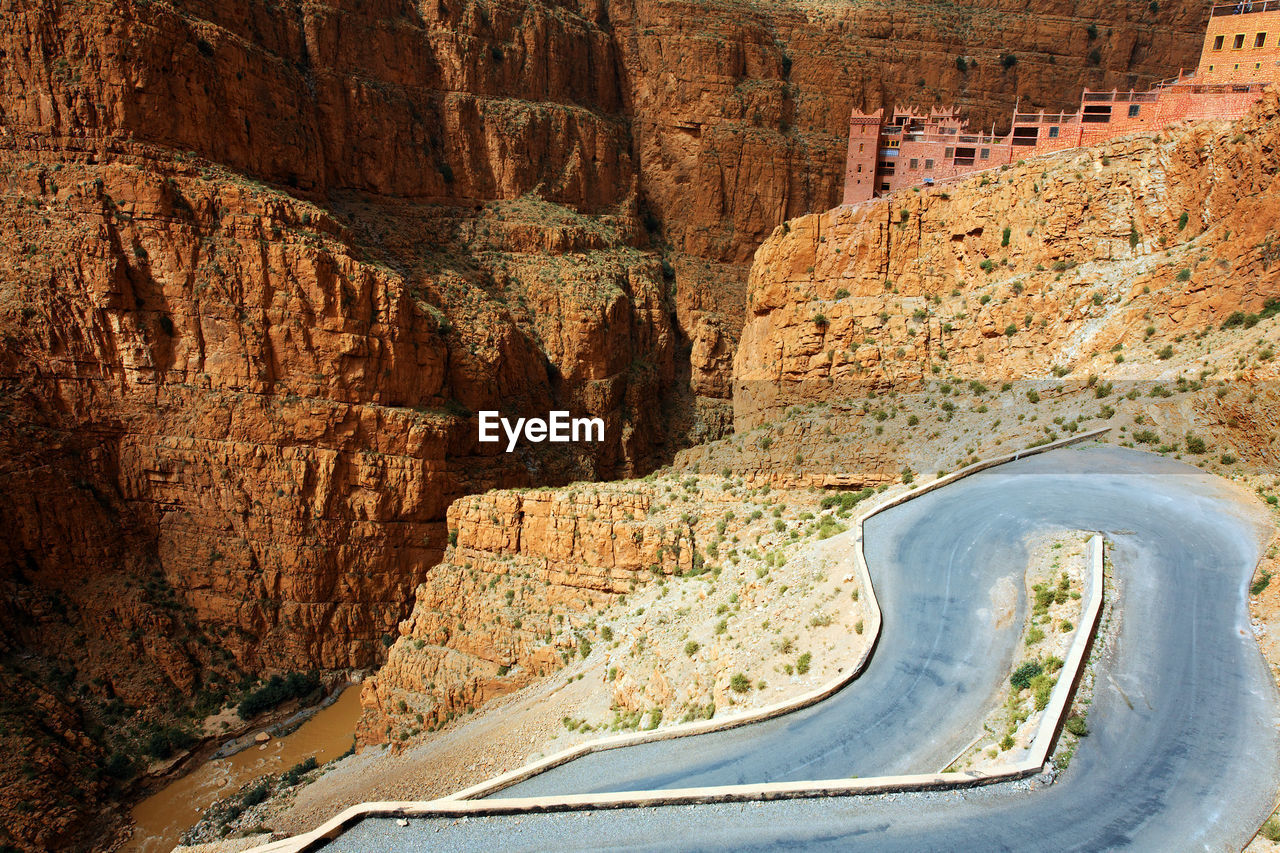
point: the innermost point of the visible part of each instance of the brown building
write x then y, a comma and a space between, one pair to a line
1240, 57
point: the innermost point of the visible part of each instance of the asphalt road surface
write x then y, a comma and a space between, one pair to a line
1183, 752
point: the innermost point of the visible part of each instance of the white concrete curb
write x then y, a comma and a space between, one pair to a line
465, 803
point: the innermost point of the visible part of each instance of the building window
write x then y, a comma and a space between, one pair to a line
928, 164
1217, 42
1260, 39
986, 153
884, 187
1238, 41
1133, 110
860, 146
859, 167
1025, 135
915, 163
1096, 114
1053, 132
1210, 67
948, 154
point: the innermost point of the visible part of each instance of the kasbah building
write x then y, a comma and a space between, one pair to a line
1240, 58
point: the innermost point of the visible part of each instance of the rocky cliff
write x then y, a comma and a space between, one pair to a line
514, 599
1101, 261
265, 261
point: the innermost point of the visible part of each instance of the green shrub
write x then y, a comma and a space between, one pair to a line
691, 648
846, 500
1022, 676
164, 742
1076, 726
254, 795
296, 685
739, 683
1184, 274
1195, 444
297, 771
1042, 689
803, 662
119, 766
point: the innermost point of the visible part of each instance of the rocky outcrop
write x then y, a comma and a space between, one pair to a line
515, 598
1090, 261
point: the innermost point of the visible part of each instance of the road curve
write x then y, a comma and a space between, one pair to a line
1184, 752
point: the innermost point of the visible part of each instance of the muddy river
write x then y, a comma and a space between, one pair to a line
165, 815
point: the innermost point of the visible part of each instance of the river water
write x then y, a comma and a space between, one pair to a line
165, 815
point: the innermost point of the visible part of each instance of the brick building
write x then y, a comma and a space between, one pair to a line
1240, 57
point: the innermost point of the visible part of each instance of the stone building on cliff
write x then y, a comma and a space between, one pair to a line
1240, 57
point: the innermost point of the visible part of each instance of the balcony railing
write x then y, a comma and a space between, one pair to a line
1122, 97
1049, 118
954, 140
1246, 8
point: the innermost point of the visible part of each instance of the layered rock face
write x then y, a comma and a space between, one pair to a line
242, 434
515, 597
1077, 261
263, 263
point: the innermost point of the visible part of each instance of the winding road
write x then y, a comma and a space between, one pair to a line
1183, 753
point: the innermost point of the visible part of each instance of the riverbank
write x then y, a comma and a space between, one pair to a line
325, 732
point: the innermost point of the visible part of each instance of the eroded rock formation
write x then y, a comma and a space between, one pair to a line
262, 263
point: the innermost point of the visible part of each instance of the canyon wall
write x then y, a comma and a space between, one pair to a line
265, 262
1091, 262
